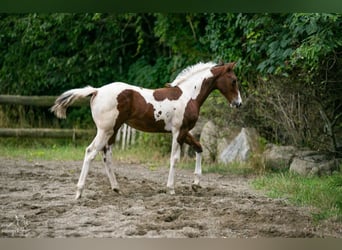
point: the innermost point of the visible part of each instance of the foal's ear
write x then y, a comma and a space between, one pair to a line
218, 69
221, 69
230, 66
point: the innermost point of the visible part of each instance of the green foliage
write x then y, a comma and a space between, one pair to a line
180, 33
317, 36
143, 74
48, 53
274, 43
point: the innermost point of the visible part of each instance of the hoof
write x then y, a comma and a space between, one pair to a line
195, 187
78, 194
116, 190
172, 191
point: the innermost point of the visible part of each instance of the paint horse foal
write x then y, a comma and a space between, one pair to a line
174, 109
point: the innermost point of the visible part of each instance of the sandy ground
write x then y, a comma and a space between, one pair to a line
37, 200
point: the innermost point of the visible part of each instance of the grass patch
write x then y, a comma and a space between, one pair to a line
42, 149
323, 193
64, 149
139, 154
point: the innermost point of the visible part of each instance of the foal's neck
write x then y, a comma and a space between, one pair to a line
206, 88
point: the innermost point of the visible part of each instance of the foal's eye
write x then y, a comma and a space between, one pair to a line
234, 81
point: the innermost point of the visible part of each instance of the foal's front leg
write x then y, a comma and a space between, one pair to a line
198, 171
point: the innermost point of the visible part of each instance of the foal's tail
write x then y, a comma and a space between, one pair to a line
68, 98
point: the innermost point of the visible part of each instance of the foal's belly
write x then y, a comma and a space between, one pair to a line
148, 126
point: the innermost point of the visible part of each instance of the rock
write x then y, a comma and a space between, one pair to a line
313, 165
278, 157
208, 141
225, 138
222, 144
241, 147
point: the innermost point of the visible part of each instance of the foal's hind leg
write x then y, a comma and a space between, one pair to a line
175, 156
97, 145
108, 163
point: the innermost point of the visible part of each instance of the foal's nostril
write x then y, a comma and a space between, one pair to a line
236, 104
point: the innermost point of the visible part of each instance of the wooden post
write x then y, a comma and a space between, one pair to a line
133, 136
128, 136
123, 142
41, 101
46, 132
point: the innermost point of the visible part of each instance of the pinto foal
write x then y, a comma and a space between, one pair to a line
174, 109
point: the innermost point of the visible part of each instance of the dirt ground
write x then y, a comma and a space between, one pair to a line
37, 200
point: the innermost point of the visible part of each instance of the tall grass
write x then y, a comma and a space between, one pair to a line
323, 193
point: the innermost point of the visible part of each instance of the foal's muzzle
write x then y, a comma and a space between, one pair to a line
236, 104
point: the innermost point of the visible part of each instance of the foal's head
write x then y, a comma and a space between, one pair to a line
226, 82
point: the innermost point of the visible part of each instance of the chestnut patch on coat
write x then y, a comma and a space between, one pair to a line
170, 93
134, 111
191, 114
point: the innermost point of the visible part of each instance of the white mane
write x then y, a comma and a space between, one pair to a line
187, 73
